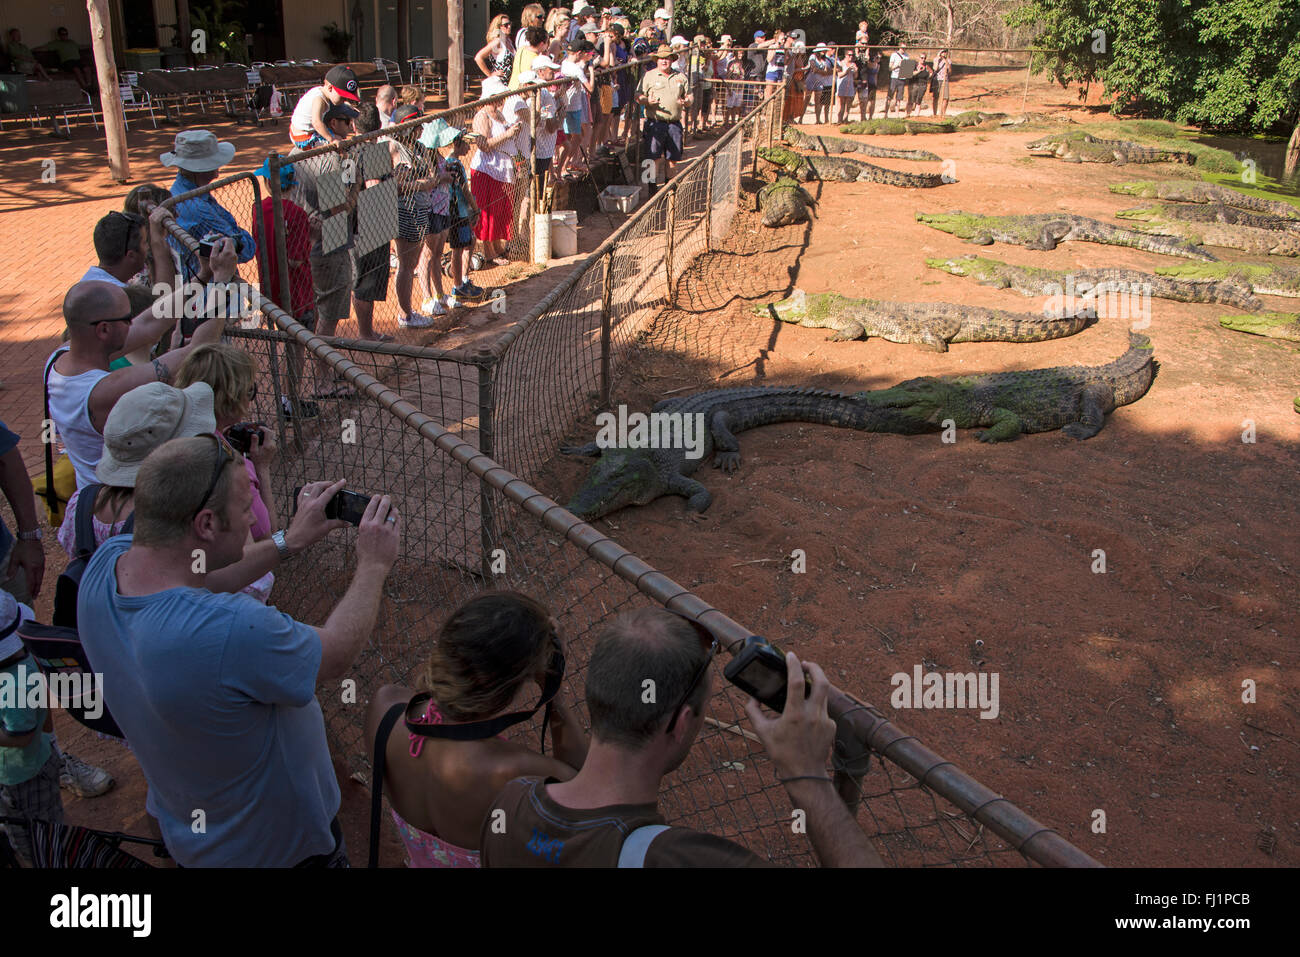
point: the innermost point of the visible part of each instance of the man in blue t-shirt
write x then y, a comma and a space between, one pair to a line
216, 693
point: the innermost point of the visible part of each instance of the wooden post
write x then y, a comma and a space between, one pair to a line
183, 38
455, 52
110, 97
1024, 98
606, 323
668, 250
708, 203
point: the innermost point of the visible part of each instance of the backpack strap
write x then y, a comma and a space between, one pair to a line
377, 779
51, 494
637, 844
85, 528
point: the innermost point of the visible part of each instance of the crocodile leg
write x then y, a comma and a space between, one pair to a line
726, 448
697, 496
933, 341
848, 332
982, 239
1006, 427
1092, 412
1047, 238
591, 449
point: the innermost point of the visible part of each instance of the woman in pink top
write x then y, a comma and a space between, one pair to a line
491, 658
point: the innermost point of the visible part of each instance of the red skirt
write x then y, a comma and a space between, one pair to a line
493, 199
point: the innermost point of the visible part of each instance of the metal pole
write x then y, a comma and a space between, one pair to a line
708, 203
606, 324
485, 361
1028, 66
668, 251
284, 294
534, 183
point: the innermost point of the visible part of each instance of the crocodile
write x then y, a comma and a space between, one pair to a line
1265, 279
1183, 191
896, 127
784, 203
1024, 119
930, 324
1047, 230
837, 144
844, 170
1214, 213
1270, 242
1077, 147
1073, 399
1097, 283
976, 118
638, 476
1274, 325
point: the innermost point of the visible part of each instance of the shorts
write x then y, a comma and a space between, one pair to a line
733, 98
573, 123
331, 275
663, 139
438, 223
412, 222
775, 76
460, 236
705, 102
36, 799
896, 86
371, 275
866, 93
541, 165
824, 96
941, 88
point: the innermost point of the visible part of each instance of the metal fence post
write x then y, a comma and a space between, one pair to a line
668, 249
486, 362
606, 324
534, 184
284, 290
708, 203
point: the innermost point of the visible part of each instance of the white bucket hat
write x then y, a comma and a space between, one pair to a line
144, 419
198, 151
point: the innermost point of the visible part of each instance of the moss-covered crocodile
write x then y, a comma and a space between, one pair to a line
1265, 279
1212, 213
1185, 191
1073, 399
1098, 283
930, 324
841, 169
1252, 239
838, 144
784, 203
1080, 147
894, 127
1047, 230
1273, 325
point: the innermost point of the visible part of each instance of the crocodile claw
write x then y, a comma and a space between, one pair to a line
727, 461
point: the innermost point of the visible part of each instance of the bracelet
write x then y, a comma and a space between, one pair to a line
805, 777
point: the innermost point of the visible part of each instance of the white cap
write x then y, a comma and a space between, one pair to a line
528, 78
661, 14
821, 47
579, 7
543, 62
493, 85
679, 42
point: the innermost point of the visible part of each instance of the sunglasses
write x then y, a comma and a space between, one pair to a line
226, 454
127, 318
134, 220
707, 641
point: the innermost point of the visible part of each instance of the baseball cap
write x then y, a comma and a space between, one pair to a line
543, 62
588, 29
820, 47
339, 111
759, 34
726, 38
615, 11
679, 42
661, 14
406, 112
144, 419
492, 86
344, 82
528, 78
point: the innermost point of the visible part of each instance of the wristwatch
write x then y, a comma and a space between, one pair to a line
33, 536
281, 545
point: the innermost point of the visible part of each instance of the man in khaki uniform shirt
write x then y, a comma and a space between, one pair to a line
664, 94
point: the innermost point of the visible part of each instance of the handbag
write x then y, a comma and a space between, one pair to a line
606, 98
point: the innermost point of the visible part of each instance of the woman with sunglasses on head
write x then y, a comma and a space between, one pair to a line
557, 25
497, 660
498, 53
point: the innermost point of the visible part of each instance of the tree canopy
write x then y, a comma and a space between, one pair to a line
1231, 65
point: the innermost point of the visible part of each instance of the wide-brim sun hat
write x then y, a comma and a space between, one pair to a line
438, 133
198, 151
144, 419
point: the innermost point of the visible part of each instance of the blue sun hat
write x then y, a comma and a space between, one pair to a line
286, 173
439, 133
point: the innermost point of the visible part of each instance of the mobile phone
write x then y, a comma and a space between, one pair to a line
759, 670
349, 506
240, 436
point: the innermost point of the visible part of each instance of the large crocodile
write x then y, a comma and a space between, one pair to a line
1185, 191
638, 476
784, 203
896, 127
1098, 283
843, 170
1252, 239
1213, 213
1074, 399
838, 144
1265, 279
1274, 325
1047, 230
1078, 147
930, 324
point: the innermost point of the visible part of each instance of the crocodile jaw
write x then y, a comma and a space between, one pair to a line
620, 477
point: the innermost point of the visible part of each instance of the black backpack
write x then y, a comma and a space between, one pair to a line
69, 583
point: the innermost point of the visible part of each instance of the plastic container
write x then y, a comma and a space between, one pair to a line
541, 238
564, 233
620, 199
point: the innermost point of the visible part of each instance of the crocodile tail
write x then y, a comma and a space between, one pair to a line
1024, 327
1132, 373
1169, 246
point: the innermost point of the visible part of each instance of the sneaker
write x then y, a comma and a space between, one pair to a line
467, 290
452, 302
306, 409
433, 307
414, 320
393, 261
82, 779
476, 261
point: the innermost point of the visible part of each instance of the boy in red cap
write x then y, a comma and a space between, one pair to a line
307, 128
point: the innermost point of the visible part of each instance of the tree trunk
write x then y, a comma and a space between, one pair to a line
1293, 151
947, 6
110, 97
183, 38
455, 52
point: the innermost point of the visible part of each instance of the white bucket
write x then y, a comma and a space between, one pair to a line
541, 238
564, 233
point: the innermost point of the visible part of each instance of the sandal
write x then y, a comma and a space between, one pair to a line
379, 337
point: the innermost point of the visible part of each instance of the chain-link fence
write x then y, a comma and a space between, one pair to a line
450, 433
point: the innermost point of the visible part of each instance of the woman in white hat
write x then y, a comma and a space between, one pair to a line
492, 170
821, 70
